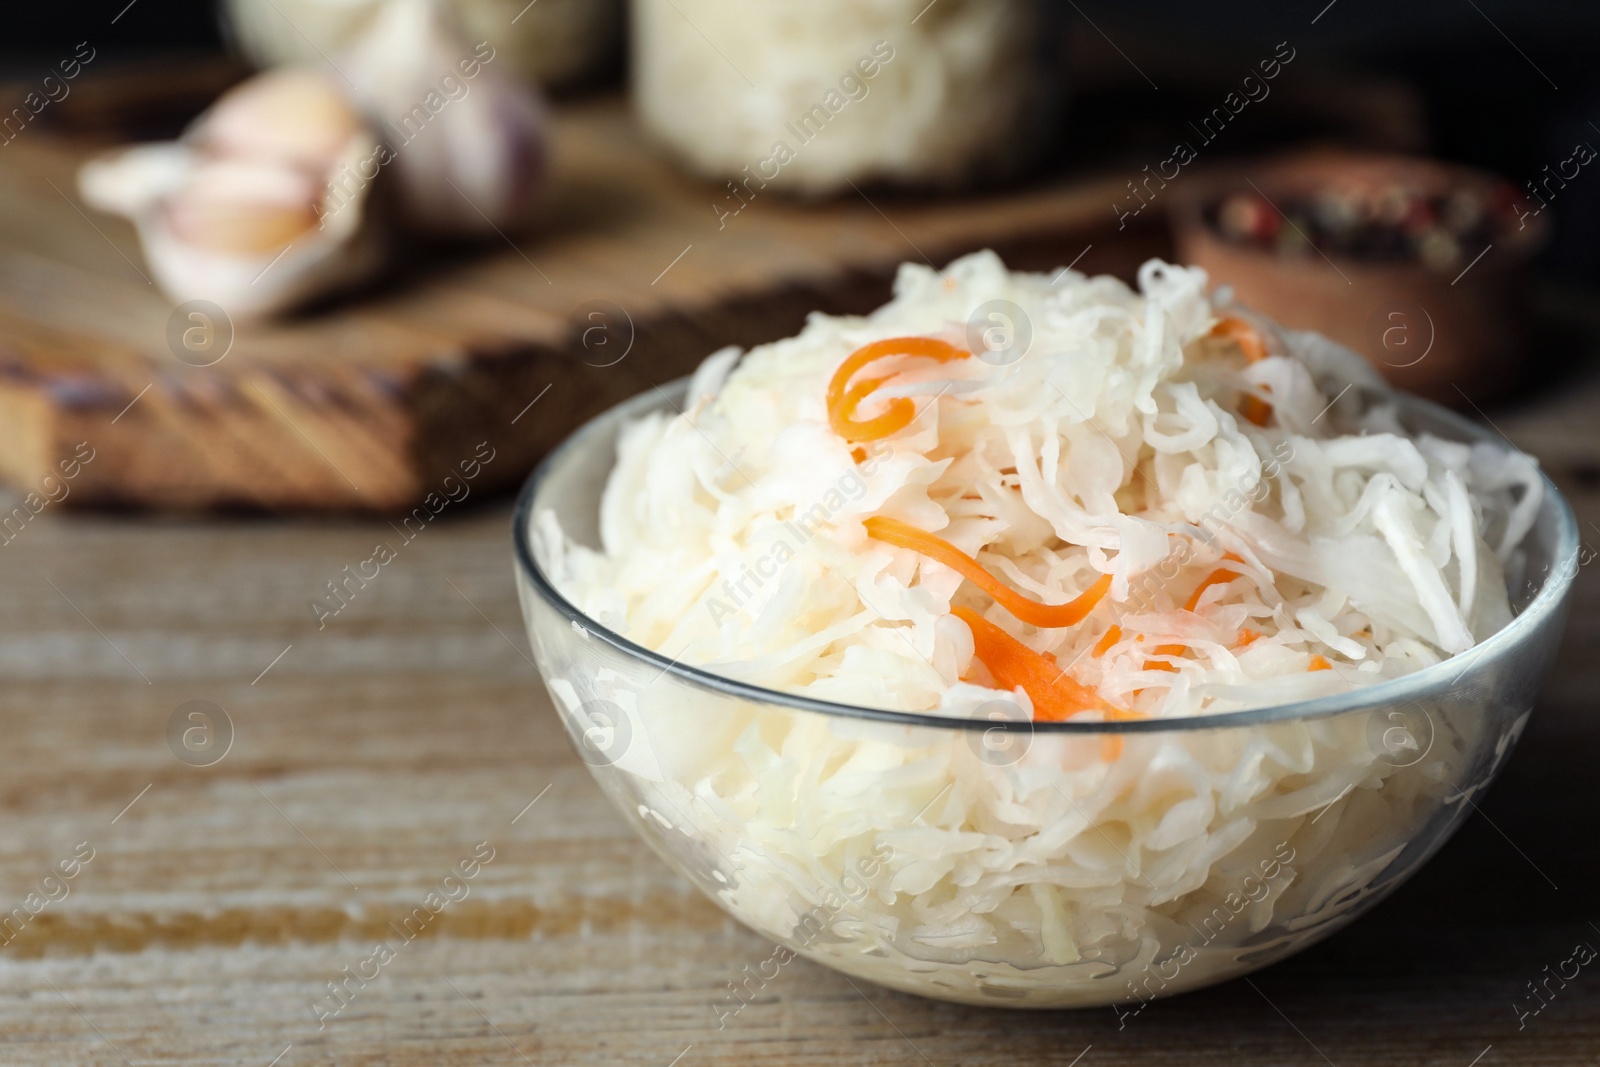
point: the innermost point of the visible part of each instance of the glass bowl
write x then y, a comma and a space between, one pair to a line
1019, 864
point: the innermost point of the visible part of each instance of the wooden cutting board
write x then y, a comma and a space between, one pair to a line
371, 402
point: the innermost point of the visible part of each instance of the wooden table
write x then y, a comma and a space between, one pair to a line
371, 756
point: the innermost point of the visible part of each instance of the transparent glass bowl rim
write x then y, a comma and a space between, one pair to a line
1429, 683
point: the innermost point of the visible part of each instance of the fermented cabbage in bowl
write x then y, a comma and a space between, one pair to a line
1238, 746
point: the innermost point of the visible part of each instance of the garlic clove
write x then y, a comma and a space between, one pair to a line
243, 207
127, 181
243, 218
298, 117
224, 239
468, 141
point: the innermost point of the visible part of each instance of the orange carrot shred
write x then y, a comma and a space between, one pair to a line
1164, 650
1242, 334
1216, 577
1111, 744
1055, 696
1254, 348
1255, 409
1319, 664
1112, 636
1246, 635
844, 398
1048, 616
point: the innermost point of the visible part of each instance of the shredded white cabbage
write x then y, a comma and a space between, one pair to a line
732, 538
810, 98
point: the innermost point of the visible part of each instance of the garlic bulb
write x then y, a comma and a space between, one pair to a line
466, 141
240, 212
551, 42
266, 202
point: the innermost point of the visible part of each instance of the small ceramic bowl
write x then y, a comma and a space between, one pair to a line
1452, 327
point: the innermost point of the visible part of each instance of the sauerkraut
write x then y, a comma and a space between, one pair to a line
811, 97
1263, 526
733, 533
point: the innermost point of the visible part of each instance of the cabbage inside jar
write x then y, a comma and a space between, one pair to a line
1029, 667
807, 98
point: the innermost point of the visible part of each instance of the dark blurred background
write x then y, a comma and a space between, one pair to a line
1507, 86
